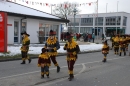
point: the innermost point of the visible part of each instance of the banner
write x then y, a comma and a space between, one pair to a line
49, 4
3, 32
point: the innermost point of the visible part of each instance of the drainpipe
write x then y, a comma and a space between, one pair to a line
21, 28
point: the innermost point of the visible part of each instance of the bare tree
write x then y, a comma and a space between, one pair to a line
66, 8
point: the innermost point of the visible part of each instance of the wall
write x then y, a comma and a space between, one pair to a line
32, 28
128, 24
10, 30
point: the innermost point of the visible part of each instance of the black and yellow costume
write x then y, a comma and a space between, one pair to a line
25, 47
116, 45
52, 45
72, 51
122, 46
105, 51
112, 40
127, 42
44, 62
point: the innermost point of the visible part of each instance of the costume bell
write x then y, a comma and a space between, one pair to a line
122, 45
52, 45
25, 47
44, 62
105, 51
72, 50
116, 44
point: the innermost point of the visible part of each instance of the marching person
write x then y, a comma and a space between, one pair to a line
122, 45
116, 44
129, 44
105, 51
25, 47
112, 40
52, 45
72, 49
44, 62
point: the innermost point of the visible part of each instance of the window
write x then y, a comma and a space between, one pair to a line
23, 27
124, 21
16, 29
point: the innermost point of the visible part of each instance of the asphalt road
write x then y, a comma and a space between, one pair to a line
89, 71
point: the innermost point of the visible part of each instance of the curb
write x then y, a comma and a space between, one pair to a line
64, 54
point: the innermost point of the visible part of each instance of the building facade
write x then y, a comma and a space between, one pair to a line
36, 23
105, 23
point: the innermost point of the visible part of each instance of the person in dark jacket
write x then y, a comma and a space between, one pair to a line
25, 47
72, 49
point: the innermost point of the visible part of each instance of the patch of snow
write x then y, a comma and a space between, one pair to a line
14, 50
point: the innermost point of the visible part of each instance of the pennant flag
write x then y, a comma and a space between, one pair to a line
32, 3
40, 3
89, 4
65, 6
46, 4
27, 2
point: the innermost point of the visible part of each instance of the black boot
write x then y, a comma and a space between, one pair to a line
29, 60
124, 53
47, 75
23, 62
58, 69
71, 77
42, 76
104, 60
120, 54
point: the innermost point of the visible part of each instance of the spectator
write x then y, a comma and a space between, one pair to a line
93, 37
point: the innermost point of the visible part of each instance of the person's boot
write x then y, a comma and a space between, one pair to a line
42, 76
47, 75
124, 53
120, 54
58, 69
71, 77
23, 62
104, 60
29, 60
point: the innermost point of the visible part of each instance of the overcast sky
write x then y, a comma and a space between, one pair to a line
123, 5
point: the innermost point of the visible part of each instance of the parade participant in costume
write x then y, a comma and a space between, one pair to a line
44, 62
122, 45
112, 40
25, 47
52, 45
116, 44
127, 42
105, 51
72, 50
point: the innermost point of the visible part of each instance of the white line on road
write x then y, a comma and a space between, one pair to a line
55, 68
59, 80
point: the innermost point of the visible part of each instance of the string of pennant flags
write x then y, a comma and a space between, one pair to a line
56, 5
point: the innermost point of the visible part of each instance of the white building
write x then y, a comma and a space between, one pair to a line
21, 18
107, 23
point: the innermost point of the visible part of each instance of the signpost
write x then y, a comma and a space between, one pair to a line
3, 32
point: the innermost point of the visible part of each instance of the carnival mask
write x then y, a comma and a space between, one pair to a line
51, 37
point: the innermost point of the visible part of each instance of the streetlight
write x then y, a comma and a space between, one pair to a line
116, 16
74, 17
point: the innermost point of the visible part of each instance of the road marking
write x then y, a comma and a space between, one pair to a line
55, 68
59, 80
